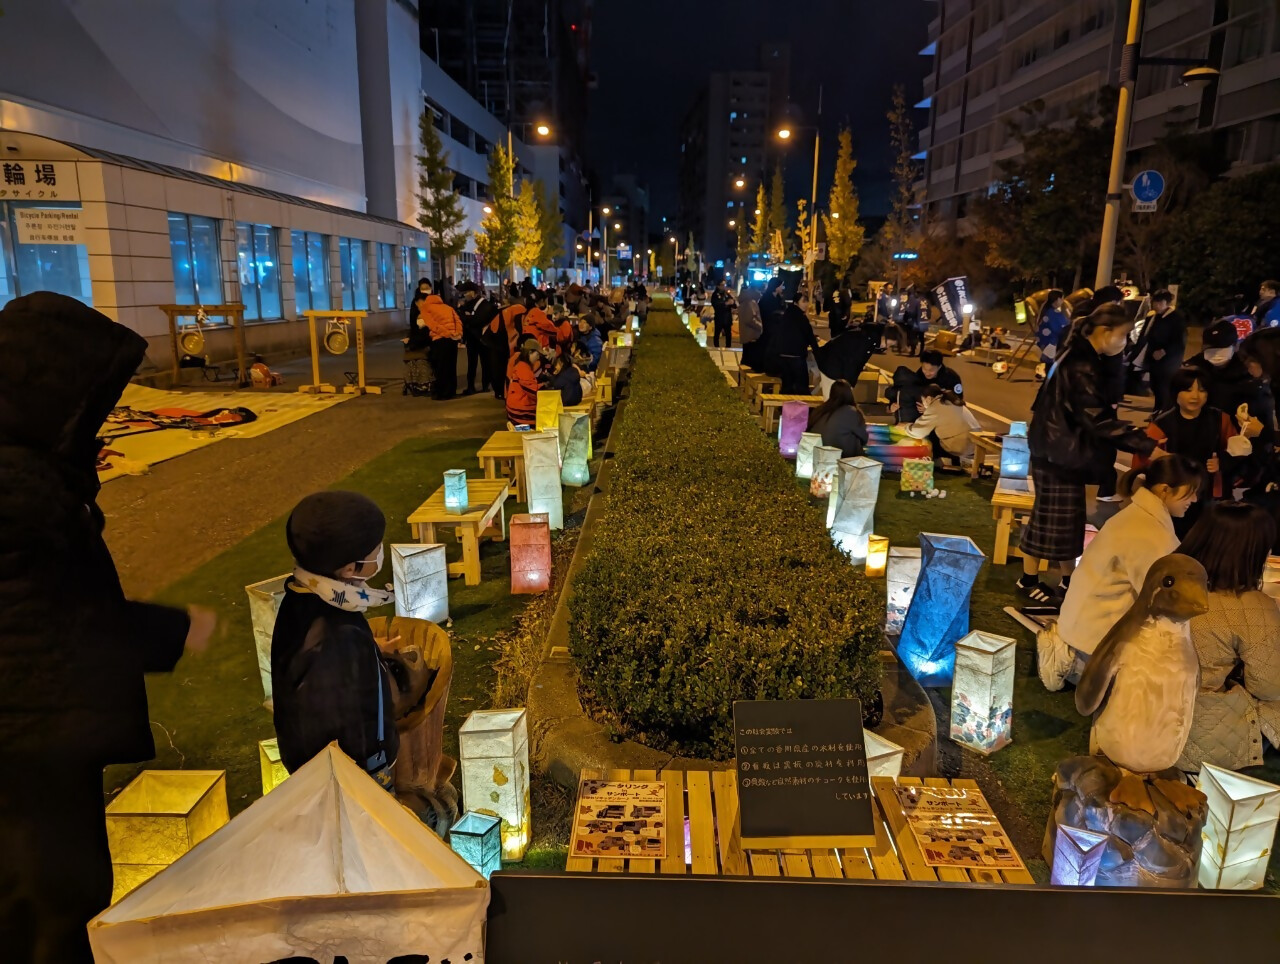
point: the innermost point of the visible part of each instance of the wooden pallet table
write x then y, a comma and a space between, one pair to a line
502, 457
985, 444
710, 801
1012, 497
483, 517
771, 407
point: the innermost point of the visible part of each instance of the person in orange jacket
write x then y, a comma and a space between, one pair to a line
524, 384
539, 324
446, 331
502, 336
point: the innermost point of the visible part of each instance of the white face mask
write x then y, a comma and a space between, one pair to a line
379, 559
1217, 357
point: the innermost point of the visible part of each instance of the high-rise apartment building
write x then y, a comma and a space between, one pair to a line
726, 138
1002, 65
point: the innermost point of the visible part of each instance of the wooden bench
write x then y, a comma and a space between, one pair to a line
482, 517
985, 444
771, 406
710, 801
756, 384
1012, 498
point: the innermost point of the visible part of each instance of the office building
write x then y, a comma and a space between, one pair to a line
997, 65
627, 226
726, 138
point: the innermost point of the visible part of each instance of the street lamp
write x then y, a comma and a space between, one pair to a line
543, 130
1198, 72
487, 209
733, 223
784, 133
740, 183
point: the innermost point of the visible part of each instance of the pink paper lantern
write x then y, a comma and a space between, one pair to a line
793, 423
530, 553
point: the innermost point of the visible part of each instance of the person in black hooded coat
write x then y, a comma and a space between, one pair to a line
73, 649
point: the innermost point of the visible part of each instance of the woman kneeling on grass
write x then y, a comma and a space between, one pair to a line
840, 421
946, 421
1237, 640
1114, 566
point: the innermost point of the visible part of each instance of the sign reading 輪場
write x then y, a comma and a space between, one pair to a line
802, 774
27, 180
49, 225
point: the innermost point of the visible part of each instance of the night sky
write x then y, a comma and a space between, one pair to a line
652, 56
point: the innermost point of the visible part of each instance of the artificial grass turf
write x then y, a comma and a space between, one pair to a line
209, 713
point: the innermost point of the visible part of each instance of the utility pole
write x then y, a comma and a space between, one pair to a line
1119, 147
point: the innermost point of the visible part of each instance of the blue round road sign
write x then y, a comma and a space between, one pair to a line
1148, 186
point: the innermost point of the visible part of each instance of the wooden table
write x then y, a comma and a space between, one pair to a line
984, 444
710, 800
770, 405
755, 384
1012, 496
483, 517
503, 457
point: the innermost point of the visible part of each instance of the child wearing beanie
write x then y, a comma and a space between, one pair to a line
330, 680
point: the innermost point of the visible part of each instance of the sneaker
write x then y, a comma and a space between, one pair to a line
1054, 658
1111, 498
1040, 594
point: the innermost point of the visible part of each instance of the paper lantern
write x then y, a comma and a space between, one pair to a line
264, 603
982, 693
826, 467
700, 334
530, 537
804, 454
792, 424
1015, 457
884, 757
494, 746
273, 771
158, 817
877, 556
939, 612
550, 405
1018, 428
855, 505
1240, 830
903, 571
420, 575
542, 476
575, 448
455, 490
1077, 854
477, 839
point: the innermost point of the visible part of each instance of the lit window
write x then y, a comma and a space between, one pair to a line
355, 274
259, 271
733, 115
310, 270
38, 263
386, 276
197, 260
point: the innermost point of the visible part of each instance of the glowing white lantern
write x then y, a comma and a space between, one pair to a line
530, 553
264, 603
550, 405
421, 578
903, 571
791, 425
542, 475
982, 693
575, 448
455, 490
884, 757
1015, 457
1239, 831
826, 466
700, 333
1077, 854
494, 746
853, 518
804, 454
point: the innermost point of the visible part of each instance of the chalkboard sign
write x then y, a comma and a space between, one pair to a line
802, 774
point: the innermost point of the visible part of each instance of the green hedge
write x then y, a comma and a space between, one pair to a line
711, 578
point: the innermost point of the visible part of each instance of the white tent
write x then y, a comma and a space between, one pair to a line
326, 864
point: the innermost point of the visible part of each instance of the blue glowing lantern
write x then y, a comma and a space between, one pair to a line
1018, 428
455, 490
1015, 457
477, 839
939, 612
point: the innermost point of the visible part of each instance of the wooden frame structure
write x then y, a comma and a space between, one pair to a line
234, 313
319, 387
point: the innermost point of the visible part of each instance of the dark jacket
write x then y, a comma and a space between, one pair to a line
327, 683
1167, 334
73, 650
909, 385
1073, 428
794, 334
476, 317
568, 384
722, 305
844, 356
844, 429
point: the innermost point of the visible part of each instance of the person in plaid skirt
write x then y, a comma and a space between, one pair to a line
1073, 438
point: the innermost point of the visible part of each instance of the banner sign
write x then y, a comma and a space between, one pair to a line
953, 295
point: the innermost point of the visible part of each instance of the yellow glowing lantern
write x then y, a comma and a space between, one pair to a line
550, 405
877, 556
273, 771
158, 817
494, 746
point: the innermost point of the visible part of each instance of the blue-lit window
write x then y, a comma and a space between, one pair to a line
386, 276
733, 115
355, 274
197, 260
41, 262
256, 250
310, 270
744, 158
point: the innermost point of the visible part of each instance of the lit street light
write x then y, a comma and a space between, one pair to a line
740, 182
733, 223
784, 133
487, 209
543, 130
617, 225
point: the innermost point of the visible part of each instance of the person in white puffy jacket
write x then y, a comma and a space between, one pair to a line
945, 417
